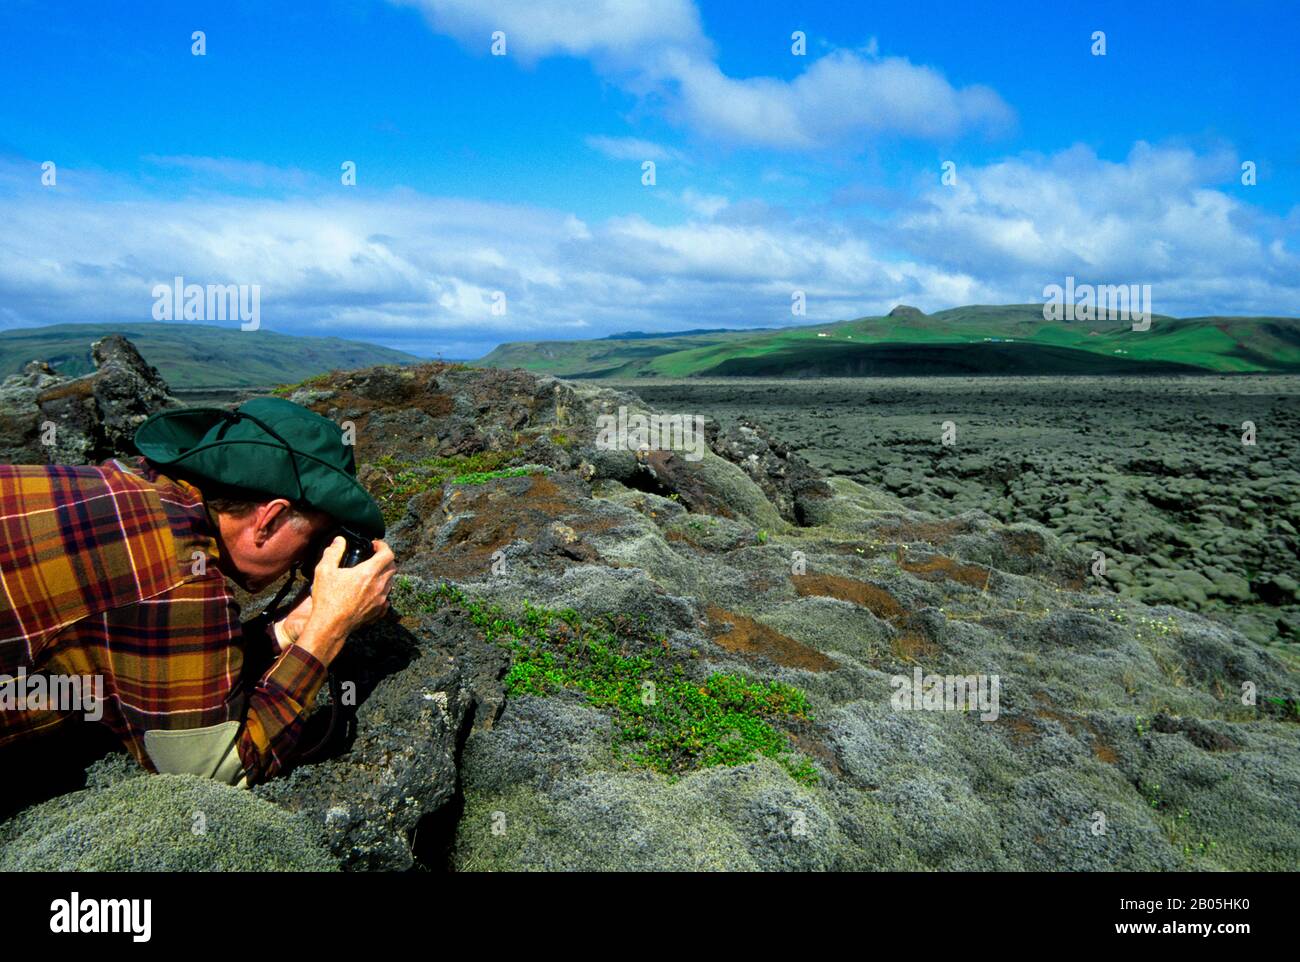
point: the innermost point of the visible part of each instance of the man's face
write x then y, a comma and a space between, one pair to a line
260, 547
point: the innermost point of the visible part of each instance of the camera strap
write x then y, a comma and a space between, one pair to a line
336, 697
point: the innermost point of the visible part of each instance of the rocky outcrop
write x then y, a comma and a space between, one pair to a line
612, 659
421, 684
753, 567
48, 418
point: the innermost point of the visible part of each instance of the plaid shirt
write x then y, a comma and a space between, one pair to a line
110, 571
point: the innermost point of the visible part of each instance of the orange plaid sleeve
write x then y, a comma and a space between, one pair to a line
110, 575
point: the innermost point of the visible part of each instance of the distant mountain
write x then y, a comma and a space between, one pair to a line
196, 355
645, 336
599, 358
1007, 339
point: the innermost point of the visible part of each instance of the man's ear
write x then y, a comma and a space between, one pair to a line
270, 517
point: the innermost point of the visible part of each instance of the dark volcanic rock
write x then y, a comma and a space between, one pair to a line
47, 418
421, 684
20, 417
787, 480
746, 564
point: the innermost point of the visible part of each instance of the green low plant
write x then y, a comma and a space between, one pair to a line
480, 477
663, 718
402, 480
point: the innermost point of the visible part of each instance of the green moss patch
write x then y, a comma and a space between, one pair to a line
663, 718
401, 480
481, 477
161, 823
317, 380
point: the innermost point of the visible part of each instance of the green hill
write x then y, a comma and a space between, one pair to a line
606, 357
196, 355
1008, 339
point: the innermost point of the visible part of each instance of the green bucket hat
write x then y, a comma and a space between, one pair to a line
268, 445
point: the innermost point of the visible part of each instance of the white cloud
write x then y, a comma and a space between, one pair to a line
838, 97
402, 264
703, 205
612, 30
632, 149
660, 49
1149, 219
406, 267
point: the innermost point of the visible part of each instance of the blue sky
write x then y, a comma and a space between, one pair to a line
522, 173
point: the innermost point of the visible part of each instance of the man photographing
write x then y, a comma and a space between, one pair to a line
117, 571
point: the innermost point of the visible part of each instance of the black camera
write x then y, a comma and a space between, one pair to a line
358, 549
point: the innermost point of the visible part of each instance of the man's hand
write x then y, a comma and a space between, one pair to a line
345, 598
299, 614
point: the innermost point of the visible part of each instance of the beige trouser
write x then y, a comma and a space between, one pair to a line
209, 752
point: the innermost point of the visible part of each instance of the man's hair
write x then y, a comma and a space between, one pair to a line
240, 502
239, 507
